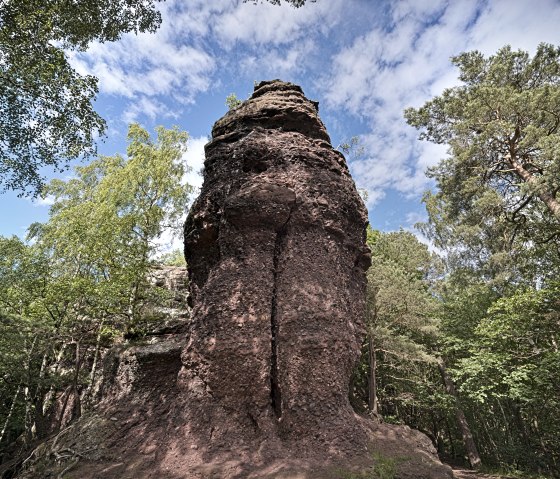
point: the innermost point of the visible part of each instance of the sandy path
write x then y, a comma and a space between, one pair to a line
468, 474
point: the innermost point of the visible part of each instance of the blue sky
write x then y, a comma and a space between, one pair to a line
363, 60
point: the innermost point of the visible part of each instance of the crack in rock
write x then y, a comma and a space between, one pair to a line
275, 390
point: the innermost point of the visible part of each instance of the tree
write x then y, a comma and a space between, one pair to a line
499, 185
47, 117
105, 223
401, 316
514, 363
28, 316
496, 214
405, 357
84, 280
232, 101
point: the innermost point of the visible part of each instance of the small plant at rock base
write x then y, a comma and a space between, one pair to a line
384, 467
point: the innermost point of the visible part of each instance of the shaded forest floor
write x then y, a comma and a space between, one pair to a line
459, 473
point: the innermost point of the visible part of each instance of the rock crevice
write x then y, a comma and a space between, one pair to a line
279, 246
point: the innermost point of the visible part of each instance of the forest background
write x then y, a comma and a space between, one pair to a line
462, 335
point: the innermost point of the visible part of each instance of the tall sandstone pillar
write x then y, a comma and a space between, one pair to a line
275, 247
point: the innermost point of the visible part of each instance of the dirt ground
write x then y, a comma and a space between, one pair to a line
467, 474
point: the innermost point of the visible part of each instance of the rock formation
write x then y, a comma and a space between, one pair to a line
275, 246
276, 251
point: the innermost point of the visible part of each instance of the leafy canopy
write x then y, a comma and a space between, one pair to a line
105, 222
499, 185
46, 112
401, 310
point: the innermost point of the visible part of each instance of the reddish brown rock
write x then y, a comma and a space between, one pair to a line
276, 251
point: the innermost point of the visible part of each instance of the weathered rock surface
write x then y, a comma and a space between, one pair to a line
173, 315
258, 385
276, 251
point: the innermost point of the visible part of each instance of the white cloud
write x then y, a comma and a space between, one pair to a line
522, 24
414, 217
194, 159
46, 201
146, 68
282, 63
182, 59
267, 24
147, 107
147, 64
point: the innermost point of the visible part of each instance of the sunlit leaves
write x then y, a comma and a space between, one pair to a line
47, 117
498, 188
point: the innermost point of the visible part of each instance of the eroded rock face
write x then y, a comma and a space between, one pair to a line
276, 251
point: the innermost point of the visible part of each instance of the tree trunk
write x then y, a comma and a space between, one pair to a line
38, 398
10, 413
88, 396
545, 196
490, 443
28, 399
47, 401
470, 446
72, 392
372, 380
77, 406
506, 425
451, 439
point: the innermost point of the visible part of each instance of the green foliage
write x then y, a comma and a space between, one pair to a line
500, 347
383, 467
352, 147
232, 102
515, 360
401, 309
47, 117
497, 206
402, 326
496, 214
512, 473
173, 258
372, 237
354, 150
83, 282
105, 222
15, 344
